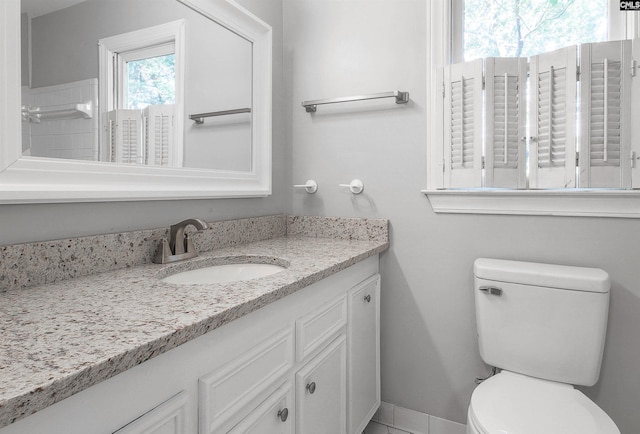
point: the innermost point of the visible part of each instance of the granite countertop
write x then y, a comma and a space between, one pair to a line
59, 339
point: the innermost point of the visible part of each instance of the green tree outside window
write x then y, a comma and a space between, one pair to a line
523, 28
151, 81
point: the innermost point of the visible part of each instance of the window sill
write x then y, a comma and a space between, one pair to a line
584, 203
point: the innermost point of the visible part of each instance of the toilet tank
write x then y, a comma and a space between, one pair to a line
542, 320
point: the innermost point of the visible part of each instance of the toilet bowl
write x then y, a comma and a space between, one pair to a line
510, 403
544, 327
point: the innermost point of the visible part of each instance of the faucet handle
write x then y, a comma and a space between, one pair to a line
163, 253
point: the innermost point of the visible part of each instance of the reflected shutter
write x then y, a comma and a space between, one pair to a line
505, 122
125, 136
605, 90
159, 135
552, 111
463, 125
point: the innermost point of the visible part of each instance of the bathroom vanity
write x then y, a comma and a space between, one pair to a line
124, 352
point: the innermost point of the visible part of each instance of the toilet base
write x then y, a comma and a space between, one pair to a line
471, 426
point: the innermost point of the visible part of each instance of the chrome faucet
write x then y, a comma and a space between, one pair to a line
179, 246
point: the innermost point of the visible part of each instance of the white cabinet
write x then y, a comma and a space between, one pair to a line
167, 418
321, 392
363, 343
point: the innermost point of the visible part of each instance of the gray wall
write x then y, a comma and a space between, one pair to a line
24, 223
429, 348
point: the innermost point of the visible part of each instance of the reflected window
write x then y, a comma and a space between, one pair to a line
147, 76
143, 96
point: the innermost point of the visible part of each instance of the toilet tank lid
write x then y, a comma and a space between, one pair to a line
547, 275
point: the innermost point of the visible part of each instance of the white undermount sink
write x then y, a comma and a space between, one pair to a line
223, 273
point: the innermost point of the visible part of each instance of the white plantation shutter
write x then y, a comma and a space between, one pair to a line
605, 91
159, 135
463, 125
126, 136
505, 122
552, 111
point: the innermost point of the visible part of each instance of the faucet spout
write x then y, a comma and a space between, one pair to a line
179, 246
177, 238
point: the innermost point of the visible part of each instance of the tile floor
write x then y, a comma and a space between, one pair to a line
376, 428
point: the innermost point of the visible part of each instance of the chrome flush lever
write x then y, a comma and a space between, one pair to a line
493, 290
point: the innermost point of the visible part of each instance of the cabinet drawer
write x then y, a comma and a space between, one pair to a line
167, 418
273, 416
234, 389
317, 328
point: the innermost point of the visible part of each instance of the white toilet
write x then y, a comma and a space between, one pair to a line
544, 327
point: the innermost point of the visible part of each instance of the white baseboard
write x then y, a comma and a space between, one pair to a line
415, 422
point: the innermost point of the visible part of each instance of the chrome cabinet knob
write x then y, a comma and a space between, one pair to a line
367, 298
283, 414
311, 387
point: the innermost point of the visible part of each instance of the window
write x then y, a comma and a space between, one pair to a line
483, 109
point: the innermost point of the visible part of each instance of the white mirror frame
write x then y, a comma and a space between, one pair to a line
42, 180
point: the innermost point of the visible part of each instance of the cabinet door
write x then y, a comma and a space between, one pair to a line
321, 392
363, 358
167, 418
273, 416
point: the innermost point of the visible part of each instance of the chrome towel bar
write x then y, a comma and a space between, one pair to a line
199, 118
401, 98
66, 111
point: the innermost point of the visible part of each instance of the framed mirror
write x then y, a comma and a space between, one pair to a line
139, 100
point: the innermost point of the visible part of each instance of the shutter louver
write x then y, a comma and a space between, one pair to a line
126, 134
605, 104
463, 125
159, 135
505, 122
604, 118
552, 110
552, 119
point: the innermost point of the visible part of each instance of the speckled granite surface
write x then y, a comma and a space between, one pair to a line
31, 264
59, 339
339, 227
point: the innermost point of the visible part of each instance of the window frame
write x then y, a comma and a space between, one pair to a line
556, 202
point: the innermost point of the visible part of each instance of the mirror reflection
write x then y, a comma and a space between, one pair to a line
145, 82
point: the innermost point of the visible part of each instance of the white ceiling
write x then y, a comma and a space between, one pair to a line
35, 8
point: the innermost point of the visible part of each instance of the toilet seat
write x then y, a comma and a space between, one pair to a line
510, 403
